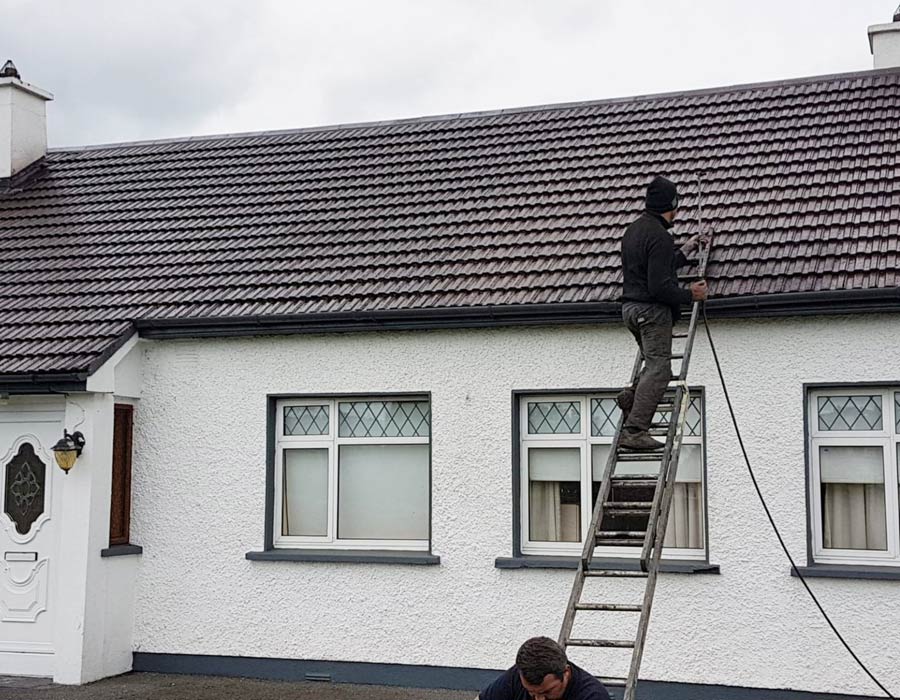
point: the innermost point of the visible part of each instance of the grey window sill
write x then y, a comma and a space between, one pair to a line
121, 550
352, 556
671, 566
885, 573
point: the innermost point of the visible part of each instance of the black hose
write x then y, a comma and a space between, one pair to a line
769, 514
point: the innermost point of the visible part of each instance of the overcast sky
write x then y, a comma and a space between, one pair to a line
125, 70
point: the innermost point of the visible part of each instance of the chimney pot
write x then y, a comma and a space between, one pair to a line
9, 71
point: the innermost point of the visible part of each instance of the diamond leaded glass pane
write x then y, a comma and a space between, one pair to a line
604, 417
693, 421
306, 420
862, 412
554, 417
380, 419
897, 412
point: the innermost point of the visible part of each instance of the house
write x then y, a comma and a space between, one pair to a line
342, 391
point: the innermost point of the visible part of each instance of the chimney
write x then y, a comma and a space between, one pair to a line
884, 42
23, 122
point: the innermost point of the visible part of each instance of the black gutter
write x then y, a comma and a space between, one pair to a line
397, 319
44, 383
826, 303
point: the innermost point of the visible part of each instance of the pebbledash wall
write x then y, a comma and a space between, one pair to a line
199, 501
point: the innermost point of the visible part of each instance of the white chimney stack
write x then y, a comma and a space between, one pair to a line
23, 122
884, 42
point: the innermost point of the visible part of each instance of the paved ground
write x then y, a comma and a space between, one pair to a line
157, 686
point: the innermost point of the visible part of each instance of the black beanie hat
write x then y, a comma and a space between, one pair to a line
662, 195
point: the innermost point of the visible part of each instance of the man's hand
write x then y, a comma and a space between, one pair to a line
699, 290
693, 242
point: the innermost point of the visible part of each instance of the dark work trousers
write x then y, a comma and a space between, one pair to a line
651, 326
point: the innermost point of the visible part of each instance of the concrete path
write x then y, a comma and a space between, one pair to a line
157, 686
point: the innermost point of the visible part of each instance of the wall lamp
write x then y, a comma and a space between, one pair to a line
68, 449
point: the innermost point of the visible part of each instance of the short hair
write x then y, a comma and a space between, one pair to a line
539, 656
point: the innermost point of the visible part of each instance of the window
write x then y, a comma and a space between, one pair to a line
120, 505
353, 473
564, 445
855, 455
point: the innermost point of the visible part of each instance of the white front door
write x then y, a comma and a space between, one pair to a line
27, 471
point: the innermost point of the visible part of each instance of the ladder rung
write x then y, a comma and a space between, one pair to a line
608, 607
639, 456
617, 573
634, 477
610, 643
677, 356
658, 431
679, 335
612, 682
665, 407
639, 507
621, 533
614, 542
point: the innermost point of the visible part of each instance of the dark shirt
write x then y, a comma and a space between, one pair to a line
582, 686
649, 262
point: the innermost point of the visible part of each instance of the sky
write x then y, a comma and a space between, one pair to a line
126, 70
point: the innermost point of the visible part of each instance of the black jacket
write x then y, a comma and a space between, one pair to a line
649, 261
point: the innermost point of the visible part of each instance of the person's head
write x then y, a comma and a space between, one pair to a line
543, 668
662, 198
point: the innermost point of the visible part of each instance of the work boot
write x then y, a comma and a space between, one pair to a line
625, 400
639, 441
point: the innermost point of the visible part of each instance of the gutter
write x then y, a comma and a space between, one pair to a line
396, 319
827, 303
43, 383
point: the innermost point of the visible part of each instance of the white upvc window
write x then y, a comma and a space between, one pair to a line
564, 445
854, 459
353, 473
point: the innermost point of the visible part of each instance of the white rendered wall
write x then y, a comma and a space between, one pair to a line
198, 507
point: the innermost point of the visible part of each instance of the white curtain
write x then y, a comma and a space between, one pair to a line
853, 505
545, 516
550, 520
685, 525
854, 516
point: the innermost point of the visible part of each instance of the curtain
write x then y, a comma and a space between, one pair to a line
549, 519
854, 516
685, 527
544, 518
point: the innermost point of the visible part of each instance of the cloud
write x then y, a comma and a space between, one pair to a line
137, 70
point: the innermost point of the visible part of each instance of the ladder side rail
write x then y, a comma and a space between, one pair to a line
610, 468
590, 539
669, 458
653, 572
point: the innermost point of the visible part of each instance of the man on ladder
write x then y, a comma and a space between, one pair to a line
652, 303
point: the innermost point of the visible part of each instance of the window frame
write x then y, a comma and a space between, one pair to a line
888, 438
332, 442
523, 441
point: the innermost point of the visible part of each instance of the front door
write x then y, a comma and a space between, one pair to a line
27, 470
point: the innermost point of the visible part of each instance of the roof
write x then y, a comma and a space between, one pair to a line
513, 215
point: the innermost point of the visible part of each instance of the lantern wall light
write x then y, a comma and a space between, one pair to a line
68, 449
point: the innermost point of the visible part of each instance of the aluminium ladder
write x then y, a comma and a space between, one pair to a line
625, 499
